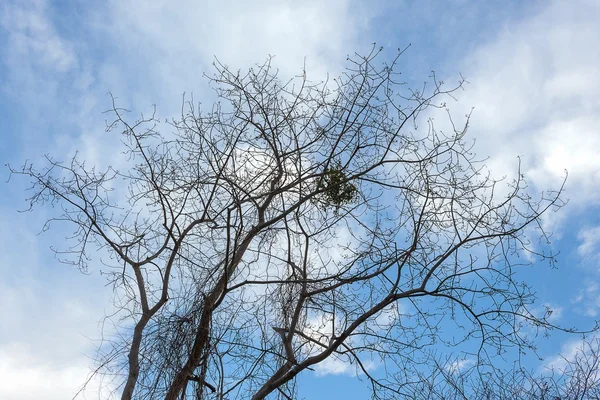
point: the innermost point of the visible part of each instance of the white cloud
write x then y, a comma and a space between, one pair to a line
36, 58
552, 312
320, 327
334, 366
534, 91
33, 40
389, 315
24, 375
587, 301
173, 46
589, 239
459, 365
49, 313
573, 351
337, 366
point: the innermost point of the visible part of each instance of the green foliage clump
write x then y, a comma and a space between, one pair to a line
338, 190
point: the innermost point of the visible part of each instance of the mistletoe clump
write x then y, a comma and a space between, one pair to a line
338, 191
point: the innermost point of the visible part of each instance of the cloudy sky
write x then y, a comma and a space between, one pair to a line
533, 68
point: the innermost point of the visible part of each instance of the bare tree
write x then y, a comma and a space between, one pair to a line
295, 222
568, 377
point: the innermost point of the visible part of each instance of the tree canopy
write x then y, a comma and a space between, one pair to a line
293, 222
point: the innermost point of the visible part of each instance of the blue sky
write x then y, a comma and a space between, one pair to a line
534, 84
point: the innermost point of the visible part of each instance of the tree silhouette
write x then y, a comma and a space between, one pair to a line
293, 222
